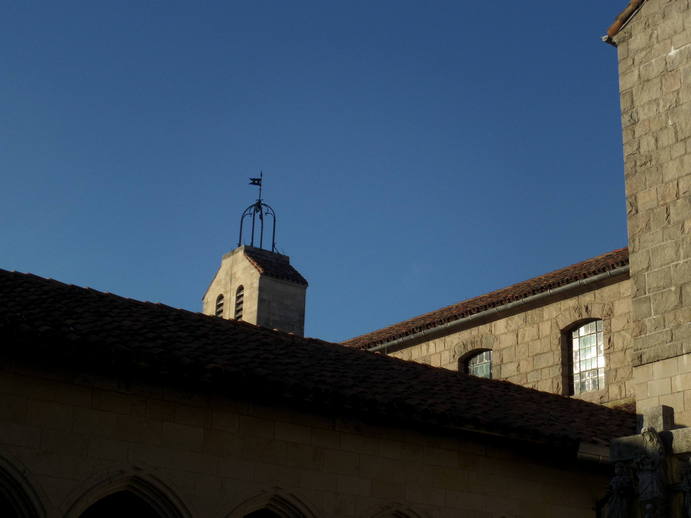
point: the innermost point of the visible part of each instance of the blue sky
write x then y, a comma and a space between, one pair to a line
416, 153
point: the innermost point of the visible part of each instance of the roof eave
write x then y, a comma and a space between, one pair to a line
447, 326
622, 21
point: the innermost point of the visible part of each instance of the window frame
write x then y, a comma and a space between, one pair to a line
568, 356
464, 362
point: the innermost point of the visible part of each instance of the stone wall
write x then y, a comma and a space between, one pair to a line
665, 382
654, 52
527, 347
218, 458
235, 271
281, 305
655, 81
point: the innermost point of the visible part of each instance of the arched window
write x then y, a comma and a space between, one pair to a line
117, 505
239, 302
477, 363
219, 306
587, 348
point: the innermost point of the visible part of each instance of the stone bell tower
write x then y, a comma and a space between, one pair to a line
652, 475
258, 285
653, 40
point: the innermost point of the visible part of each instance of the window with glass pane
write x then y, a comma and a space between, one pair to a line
480, 365
588, 358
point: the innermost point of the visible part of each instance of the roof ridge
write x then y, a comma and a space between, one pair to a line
156, 305
273, 265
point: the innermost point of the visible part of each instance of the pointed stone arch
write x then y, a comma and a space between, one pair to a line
148, 488
18, 492
282, 503
394, 511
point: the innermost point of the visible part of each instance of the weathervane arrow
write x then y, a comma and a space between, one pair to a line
258, 183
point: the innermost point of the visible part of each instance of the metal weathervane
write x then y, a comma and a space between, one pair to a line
258, 210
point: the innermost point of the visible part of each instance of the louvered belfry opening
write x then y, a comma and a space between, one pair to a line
219, 306
239, 301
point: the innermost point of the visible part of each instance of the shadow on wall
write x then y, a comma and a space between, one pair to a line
137, 494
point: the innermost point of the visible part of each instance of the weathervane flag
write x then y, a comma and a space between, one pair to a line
255, 181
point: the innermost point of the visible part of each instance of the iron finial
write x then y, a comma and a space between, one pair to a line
260, 209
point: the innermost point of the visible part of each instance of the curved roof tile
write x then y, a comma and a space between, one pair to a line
274, 265
522, 290
52, 324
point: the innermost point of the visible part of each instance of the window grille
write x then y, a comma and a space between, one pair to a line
480, 365
587, 344
239, 302
219, 306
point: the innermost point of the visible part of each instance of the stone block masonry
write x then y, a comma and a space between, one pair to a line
216, 456
654, 51
655, 81
528, 347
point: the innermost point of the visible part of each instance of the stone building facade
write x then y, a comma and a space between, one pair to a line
654, 51
527, 327
110, 406
646, 311
198, 457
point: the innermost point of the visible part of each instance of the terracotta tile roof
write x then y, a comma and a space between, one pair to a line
50, 324
274, 265
623, 17
522, 290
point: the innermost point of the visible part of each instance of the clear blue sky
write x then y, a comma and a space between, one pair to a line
417, 153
